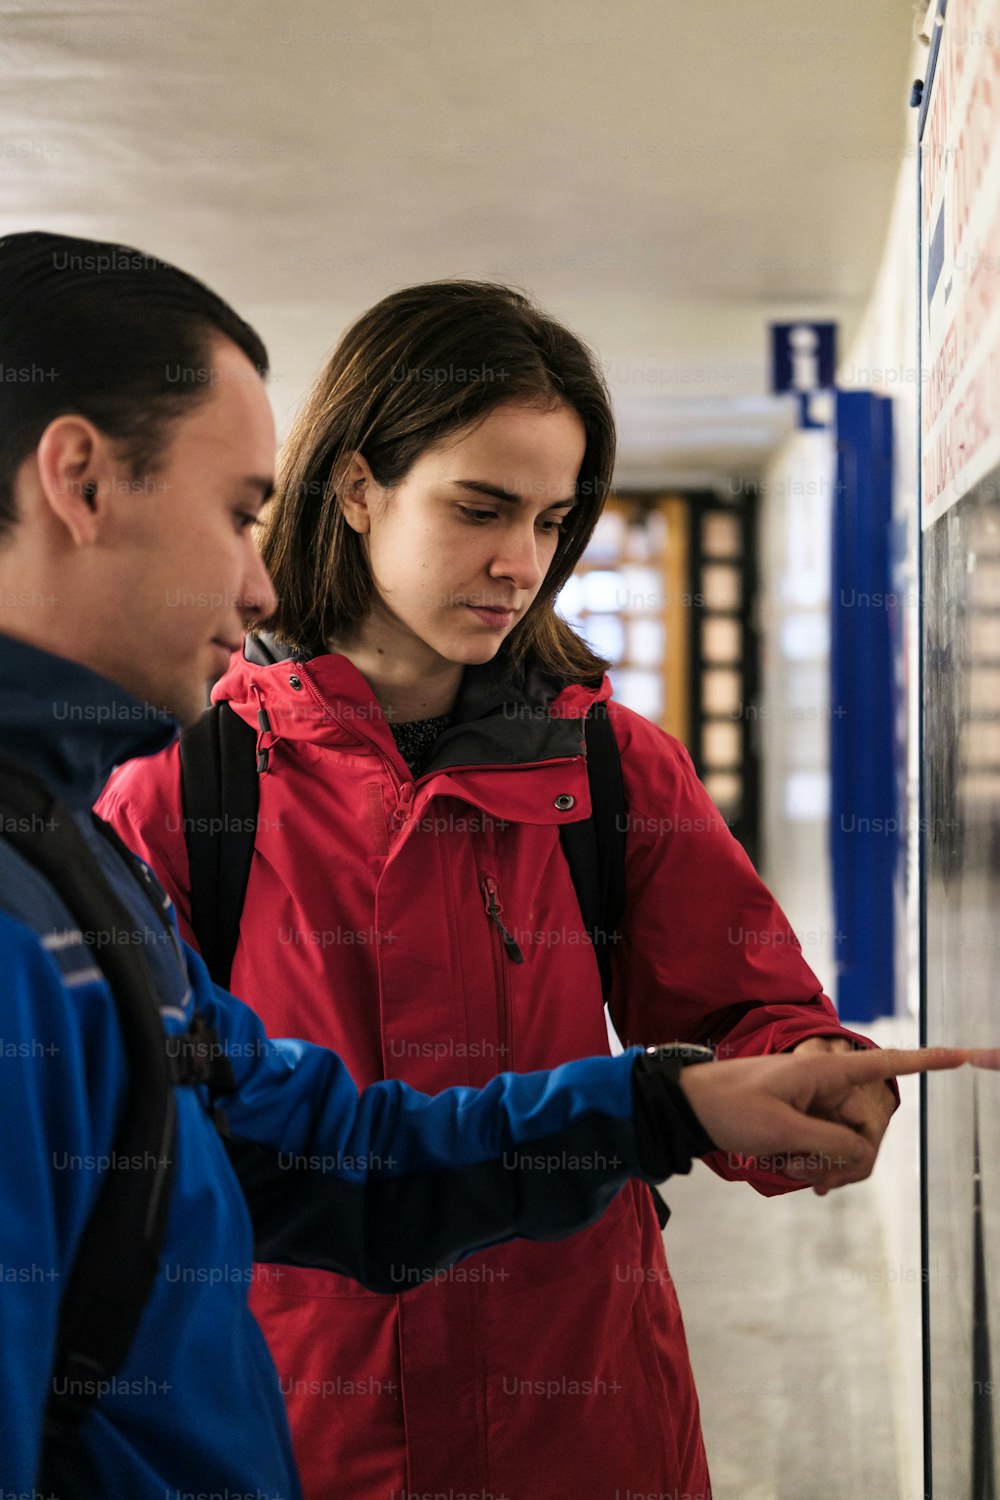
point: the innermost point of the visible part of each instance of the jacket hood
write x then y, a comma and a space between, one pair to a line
501, 718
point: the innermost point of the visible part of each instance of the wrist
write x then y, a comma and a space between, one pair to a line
668, 1132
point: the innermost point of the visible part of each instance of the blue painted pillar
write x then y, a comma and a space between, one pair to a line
864, 813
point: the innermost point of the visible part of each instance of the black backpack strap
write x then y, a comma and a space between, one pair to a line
119, 1250
610, 816
595, 848
220, 796
595, 853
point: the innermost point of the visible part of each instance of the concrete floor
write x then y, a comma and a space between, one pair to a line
789, 1324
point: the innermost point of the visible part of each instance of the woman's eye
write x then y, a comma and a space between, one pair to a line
477, 516
245, 519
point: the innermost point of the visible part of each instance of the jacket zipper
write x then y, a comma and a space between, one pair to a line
404, 791
495, 911
505, 1028
404, 804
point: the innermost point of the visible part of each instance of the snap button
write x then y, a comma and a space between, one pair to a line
296, 683
564, 802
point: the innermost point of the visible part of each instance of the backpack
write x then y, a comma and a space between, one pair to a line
220, 796
118, 1256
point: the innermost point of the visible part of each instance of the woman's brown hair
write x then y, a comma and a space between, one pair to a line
419, 365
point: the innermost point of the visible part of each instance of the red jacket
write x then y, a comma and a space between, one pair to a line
532, 1371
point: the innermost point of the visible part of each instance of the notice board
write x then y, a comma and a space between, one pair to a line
959, 229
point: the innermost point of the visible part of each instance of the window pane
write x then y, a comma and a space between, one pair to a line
642, 589
725, 789
805, 637
570, 601
807, 690
722, 745
658, 529
606, 634
641, 691
608, 539
646, 642
720, 535
603, 592
720, 692
722, 586
721, 640
807, 795
638, 543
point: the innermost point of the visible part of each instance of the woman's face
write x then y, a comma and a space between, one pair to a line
458, 550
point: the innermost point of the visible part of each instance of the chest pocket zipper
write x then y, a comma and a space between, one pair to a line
507, 952
495, 911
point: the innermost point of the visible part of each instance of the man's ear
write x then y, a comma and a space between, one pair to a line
74, 470
356, 492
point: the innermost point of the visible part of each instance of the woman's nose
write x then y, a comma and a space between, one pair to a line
518, 559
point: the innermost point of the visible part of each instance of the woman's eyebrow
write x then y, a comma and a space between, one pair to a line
497, 493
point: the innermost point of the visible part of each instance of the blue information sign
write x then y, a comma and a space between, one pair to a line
803, 357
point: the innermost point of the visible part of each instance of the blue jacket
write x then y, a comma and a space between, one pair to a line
400, 1183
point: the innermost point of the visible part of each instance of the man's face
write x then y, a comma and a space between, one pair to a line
181, 569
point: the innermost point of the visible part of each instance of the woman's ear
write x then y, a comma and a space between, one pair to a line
356, 492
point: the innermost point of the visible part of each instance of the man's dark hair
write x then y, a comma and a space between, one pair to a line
108, 332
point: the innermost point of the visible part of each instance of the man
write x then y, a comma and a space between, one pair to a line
136, 450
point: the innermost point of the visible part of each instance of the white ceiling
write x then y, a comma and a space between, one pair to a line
666, 176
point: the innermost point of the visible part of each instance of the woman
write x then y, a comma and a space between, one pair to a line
421, 707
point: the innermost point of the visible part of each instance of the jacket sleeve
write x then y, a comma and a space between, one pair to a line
706, 955
142, 802
387, 1185
48, 1126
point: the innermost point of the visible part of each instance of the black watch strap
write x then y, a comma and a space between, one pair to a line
668, 1132
686, 1053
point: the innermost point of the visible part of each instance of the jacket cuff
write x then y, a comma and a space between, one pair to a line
668, 1132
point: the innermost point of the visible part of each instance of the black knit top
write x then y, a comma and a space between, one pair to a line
416, 740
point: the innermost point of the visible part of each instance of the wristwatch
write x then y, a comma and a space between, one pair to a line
668, 1132
684, 1053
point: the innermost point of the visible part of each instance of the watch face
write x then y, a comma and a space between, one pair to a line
683, 1052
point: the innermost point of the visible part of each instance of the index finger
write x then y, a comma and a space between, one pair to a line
984, 1057
862, 1067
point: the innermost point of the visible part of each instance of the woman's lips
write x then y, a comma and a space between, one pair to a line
498, 618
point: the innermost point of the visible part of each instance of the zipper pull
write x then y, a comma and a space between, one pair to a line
404, 804
494, 911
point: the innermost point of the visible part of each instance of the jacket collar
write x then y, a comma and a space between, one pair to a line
500, 718
70, 725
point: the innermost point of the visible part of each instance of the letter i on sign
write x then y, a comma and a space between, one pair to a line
803, 343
